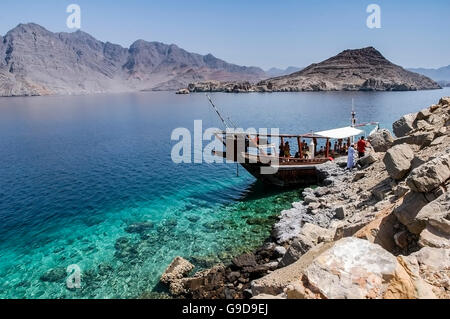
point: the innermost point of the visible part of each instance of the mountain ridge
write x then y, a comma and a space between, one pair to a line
36, 61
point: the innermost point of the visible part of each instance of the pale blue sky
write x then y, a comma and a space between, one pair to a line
256, 32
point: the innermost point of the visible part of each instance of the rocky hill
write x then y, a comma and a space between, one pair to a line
381, 231
351, 70
35, 61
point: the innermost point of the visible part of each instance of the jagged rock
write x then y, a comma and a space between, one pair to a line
423, 115
177, 269
275, 282
418, 139
367, 160
430, 175
280, 251
435, 217
381, 230
433, 237
430, 271
358, 176
340, 212
381, 140
404, 125
310, 235
410, 207
245, 260
444, 101
398, 161
205, 284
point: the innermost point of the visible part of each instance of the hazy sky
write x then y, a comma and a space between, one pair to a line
259, 32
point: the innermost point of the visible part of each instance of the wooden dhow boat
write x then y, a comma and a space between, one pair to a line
271, 165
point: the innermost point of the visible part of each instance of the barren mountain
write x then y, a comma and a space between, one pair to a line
364, 69
35, 61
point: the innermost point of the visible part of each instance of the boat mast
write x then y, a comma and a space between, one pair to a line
353, 118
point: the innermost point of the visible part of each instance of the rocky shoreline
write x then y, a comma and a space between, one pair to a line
379, 231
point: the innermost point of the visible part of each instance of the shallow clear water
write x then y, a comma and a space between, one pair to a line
88, 180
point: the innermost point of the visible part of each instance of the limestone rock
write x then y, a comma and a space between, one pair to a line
404, 125
309, 236
355, 268
408, 210
398, 161
367, 160
381, 140
275, 282
430, 270
430, 175
176, 270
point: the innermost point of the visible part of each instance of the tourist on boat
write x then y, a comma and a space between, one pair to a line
321, 151
281, 150
335, 148
351, 157
361, 147
287, 150
297, 155
305, 145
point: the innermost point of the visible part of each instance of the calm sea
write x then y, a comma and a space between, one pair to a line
88, 180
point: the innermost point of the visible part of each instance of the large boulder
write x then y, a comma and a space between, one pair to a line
357, 269
404, 125
409, 209
398, 161
177, 269
348, 268
436, 218
381, 140
430, 175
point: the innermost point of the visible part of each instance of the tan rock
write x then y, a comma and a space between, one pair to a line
398, 161
381, 230
430, 175
177, 269
430, 268
275, 282
355, 268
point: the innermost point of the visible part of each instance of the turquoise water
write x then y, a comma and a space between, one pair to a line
89, 181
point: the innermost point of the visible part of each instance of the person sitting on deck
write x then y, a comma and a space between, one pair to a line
281, 150
344, 149
321, 151
297, 155
305, 145
287, 150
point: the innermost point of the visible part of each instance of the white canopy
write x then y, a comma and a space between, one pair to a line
341, 133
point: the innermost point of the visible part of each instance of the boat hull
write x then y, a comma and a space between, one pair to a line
286, 176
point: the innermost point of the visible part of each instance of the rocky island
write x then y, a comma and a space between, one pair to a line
380, 231
351, 70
